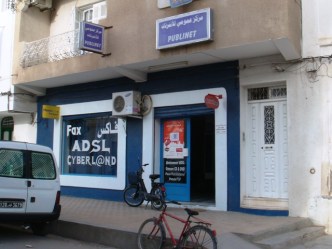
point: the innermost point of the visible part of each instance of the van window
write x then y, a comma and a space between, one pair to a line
42, 166
11, 163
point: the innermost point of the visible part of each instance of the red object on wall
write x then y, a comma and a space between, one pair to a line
212, 101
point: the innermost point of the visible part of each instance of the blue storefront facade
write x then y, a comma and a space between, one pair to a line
174, 93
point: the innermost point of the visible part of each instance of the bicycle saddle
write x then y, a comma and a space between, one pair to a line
191, 212
154, 176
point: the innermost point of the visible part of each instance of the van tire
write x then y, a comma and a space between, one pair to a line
41, 228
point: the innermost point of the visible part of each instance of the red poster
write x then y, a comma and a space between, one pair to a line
174, 131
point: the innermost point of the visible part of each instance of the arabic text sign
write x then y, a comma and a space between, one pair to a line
184, 29
91, 37
52, 112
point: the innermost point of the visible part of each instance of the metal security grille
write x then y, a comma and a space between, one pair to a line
269, 119
42, 166
11, 163
53, 48
263, 93
10, 4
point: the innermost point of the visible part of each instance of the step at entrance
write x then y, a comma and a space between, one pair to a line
288, 238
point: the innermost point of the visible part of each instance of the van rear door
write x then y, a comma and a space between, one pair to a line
45, 182
13, 182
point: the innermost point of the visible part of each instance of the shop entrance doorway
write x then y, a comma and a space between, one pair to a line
202, 159
188, 158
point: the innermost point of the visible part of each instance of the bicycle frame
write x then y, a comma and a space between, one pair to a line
141, 188
187, 222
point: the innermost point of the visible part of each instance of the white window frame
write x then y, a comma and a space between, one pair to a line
98, 12
99, 182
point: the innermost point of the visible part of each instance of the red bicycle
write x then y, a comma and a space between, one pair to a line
196, 233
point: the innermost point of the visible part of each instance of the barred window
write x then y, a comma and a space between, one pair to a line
7, 5
11, 163
262, 93
43, 166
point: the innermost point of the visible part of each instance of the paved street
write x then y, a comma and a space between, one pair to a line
16, 239
116, 224
323, 242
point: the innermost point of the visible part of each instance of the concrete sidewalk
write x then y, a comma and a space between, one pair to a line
116, 224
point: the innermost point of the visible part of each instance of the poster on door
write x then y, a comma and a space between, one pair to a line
173, 146
175, 170
174, 151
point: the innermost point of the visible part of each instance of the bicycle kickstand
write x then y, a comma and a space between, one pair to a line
147, 203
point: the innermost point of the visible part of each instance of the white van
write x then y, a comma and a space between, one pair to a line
29, 185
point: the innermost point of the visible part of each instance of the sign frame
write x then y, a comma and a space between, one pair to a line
178, 3
50, 112
184, 29
91, 37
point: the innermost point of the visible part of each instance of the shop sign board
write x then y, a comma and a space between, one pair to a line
51, 112
211, 101
91, 37
90, 146
188, 28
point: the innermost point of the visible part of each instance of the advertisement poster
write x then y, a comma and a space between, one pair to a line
174, 151
175, 170
91, 146
174, 131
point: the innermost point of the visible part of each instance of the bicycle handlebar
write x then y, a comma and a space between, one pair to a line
141, 170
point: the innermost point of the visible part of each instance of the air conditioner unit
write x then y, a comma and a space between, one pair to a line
126, 103
42, 4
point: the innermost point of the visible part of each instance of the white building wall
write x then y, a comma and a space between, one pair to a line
309, 101
6, 52
317, 43
24, 128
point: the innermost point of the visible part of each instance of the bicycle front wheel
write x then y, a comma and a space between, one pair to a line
199, 237
151, 235
133, 197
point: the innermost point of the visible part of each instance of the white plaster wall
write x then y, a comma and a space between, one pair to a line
317, 42
6, 54
24, 128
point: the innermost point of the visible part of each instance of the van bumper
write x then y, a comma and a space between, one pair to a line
31, 217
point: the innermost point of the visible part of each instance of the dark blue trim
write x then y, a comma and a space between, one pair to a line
263, 212
182, 111
101, 194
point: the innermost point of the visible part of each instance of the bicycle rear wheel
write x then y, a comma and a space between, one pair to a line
157, 203
133, 197
199, 237
151, 235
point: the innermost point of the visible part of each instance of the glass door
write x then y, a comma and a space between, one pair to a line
175, 159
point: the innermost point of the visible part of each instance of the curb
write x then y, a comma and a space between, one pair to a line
100, 235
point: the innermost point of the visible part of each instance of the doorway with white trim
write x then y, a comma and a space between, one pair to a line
266, 149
